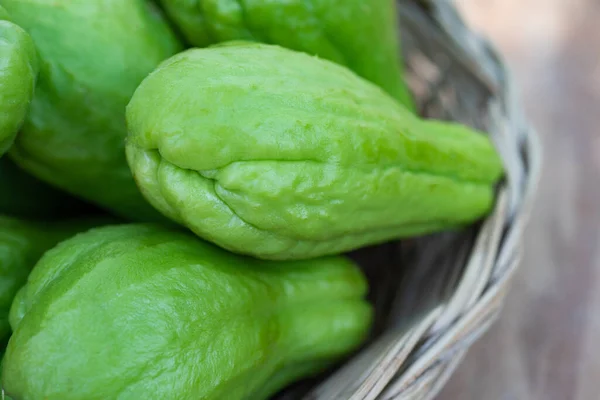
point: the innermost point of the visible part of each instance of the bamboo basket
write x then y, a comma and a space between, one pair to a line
435, 295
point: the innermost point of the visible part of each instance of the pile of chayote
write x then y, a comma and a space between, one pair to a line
180, 178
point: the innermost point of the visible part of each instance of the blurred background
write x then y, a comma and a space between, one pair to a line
547, 343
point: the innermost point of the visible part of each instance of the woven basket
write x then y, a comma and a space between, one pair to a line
435, 295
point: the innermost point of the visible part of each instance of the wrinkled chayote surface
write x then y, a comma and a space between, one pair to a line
274, 153
94, 53
22, 243
143, 312
22, 195
360, 34
18, 73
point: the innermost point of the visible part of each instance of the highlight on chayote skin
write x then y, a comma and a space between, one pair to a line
22, 243
360, 34
93, 55
18, 73
143, 312
281, 155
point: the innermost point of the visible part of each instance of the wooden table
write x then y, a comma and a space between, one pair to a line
546, 346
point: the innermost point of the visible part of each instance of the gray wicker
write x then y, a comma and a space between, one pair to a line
436, 295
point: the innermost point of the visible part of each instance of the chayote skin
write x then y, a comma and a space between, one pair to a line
22, 243
144, 312
22, 195
1, 359
274, 153
94, 54
360, 34
18, 73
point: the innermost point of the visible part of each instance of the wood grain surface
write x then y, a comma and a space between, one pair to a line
546, 346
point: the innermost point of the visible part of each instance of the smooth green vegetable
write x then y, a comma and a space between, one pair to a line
94, 53
22, 243
360, 34
142, 312
22, 195
274, 153
18, 73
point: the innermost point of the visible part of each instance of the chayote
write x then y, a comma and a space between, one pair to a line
18, 73
24, 196
5, 397
274, 153
140, 311
94, 54
360, 34
22, 243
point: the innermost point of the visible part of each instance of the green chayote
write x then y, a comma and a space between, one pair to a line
24, 196
94, 54
18, 73
274, 153
1, 359
360, 34
22, 243
140, 311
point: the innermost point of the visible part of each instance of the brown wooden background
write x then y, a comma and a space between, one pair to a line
546, 345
